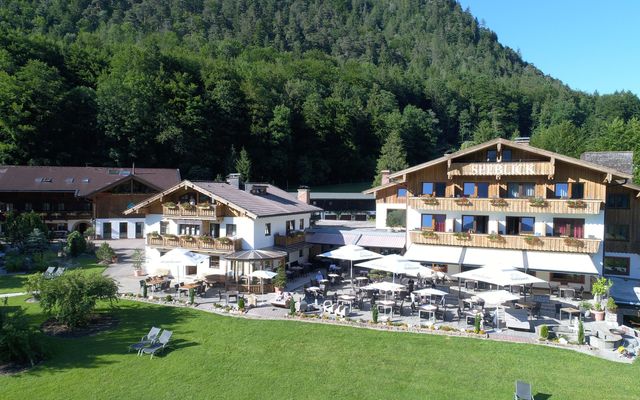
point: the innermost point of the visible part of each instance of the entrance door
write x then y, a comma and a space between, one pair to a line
139, 229
106, 230
123, 230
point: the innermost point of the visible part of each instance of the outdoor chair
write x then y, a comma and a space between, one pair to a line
159, 345
523, 391
441, 314
49, 272
397, 308
146, 340
326, 305
58, 272
341, 311
535, 310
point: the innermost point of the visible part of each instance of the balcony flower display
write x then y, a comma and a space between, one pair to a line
499, 202
463, 201
187, 206
533, 240
496, 238
573, 242
188, 238
538, 202
206, 239
576, 204
462, 235
430, 200
154, 235
429, 234
205, 205
224, 240
169, 204
169, 236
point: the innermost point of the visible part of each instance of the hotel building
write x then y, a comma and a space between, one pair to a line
508, 203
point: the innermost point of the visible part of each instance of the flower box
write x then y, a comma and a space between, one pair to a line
496, 238
170, 204
462, 235
427, 234
463, 201
187, 206
430, 201
538, 202
533, 240
576, 204
573, 242
499, 203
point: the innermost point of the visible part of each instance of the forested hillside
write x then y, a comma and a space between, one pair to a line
288, 91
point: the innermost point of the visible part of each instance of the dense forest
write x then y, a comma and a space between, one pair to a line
287, 91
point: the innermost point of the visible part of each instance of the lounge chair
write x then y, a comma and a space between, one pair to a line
49, 272
58, 272
326, 305
146, 340
159, 345
343, 311
523, 391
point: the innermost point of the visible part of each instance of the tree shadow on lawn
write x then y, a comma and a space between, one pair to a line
135, 320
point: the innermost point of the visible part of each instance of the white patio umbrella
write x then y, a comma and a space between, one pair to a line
500, 276
262, 274
385, 286
180, 258
430, 292
351, 253
495, 298
396, 264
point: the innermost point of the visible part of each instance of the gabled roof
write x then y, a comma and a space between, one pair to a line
83, 181
619, 160
400, 176
273, 202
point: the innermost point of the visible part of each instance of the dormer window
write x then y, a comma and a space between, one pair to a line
258, 189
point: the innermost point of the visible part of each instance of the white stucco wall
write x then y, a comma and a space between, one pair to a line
115, 227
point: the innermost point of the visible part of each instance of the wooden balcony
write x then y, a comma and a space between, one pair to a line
497, 169
196, 243
516, 242
64, 215
211, 212
290, 239
522, 206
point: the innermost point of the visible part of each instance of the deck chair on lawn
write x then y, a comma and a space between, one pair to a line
58, 272
146, 340
523, 391
162, 342
49, 272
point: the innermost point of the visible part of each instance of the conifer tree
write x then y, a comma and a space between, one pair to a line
393, 156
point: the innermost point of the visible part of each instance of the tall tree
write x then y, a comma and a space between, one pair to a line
393, 156
243, 165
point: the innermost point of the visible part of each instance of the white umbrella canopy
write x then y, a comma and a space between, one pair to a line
351, 253
396, 264
496, 297
182, 256
262, 274
430, 292
501, 276
386, 286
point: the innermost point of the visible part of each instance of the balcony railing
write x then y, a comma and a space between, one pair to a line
178, 211
501, 168
289, 239
55, 215
195, 242
516, 242
523, 205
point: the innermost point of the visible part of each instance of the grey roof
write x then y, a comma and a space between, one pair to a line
274, 201
619, 160
82, 181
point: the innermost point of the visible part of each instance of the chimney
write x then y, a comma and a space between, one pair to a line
304, 194
384, 179
522, 140
234, 180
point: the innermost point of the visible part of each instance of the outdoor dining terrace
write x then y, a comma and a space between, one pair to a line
222, 244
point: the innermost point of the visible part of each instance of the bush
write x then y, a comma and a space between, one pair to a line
374, 314
292, 307
33, 283
192, 296
476, 324
280, 280
396, 218
241, 303
169, 298
76, 244
580, 332
14, 263
611, 304
71, 298
18, 226
544, 332
105, 252
19, 342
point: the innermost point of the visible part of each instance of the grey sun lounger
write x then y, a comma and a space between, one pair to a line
159, 345
146, 340
49, 272
523, 391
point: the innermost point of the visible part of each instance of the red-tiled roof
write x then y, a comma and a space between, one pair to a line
82, 181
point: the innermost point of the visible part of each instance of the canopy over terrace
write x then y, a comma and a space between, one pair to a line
351, 253
396, 264
500, 276
244, 263
176, 262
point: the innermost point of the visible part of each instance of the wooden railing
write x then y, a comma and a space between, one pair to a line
195, 212
525, 206
517, 242
53, 215
501, 168
195, 242
289, 240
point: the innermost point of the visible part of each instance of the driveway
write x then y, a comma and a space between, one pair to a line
122, 271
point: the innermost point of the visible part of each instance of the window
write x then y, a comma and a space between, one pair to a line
301, 224
506, 155
231, 230
492, 155
520, 225
577, 190
521, 189
290, 225
60, 206
214, 230
433, 222
561, 190
476, 189
267, 229
567, 278
164, 227
189, 229
616, 266
617, 232
475, 223
482, 190
402, 192
46, 206
28, 206
618, 200
469, 189
436, 189
572, 227
300, 253
427, 188
441, 189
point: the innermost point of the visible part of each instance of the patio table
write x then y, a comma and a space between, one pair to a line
429, 309
570, 311
386, 305
565, 290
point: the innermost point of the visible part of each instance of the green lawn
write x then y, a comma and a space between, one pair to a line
229, 358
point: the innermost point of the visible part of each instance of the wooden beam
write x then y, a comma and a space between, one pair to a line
608, 178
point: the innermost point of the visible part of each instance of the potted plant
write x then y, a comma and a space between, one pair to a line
533, 240
224, 240
430, 201
573, 242
463, 201
169, 204
499, 202
586, 306
280, 280
187, 206
137, 260
462, 235
537, 202
600, 287
612, 307
429, 234
576, 204
598, 312
496, 238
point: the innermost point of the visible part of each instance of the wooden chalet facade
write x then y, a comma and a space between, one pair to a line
505, 202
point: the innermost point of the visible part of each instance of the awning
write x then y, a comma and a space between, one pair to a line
568, 263
625, 291
434, 254
333, 238
497, 257
183, 257
256, 255
388, 240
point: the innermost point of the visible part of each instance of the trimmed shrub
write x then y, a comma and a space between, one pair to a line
374, 314
544, 332
105, 252
476, 324
76, 244
580, 332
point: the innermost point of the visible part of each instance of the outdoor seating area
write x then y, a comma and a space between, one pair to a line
153, 342
53, 272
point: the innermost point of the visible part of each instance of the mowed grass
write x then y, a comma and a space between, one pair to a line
219, 357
